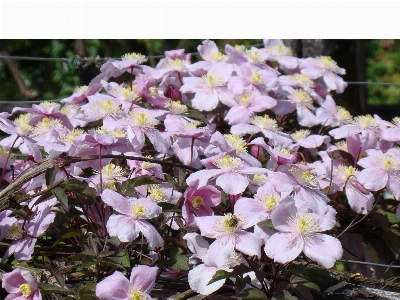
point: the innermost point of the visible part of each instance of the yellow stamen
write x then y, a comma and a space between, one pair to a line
135, 56
26, 290
236, 142
228, 163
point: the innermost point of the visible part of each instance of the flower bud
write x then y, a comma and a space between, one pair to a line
257, 151
176, 95
168, 90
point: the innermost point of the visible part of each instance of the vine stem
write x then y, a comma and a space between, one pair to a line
7, 159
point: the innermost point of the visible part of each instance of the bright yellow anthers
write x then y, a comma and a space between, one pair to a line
112, 171
231, 223
267, 200
148, 165
139, 211
345, 172
228, 163
344, 115
69, 108
157, 194
389, 163
126, 94
259, 179
137, 295
26, 290
70, 135
300, 135
254, 57
236, 142
81, 89
212, 80
280, 50
245, 99
22, 124
218, 57
264, 122
48, 104
256, 78
303, 98
328, 63
196, 202
106, 107
303, 223
366, 122
140, 58
177, 64
304, 178
302, 79
143, 119
396, 121
240, 48
46, 124
177, 108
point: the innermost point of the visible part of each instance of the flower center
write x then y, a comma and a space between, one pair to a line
389, 163
81, 89
126, 94
22, 124
137, 295
231, 223
256, 78
303, 223
344, 115
236, 142
346, 171
218, 56
68, 137
396, 121
267, 200
26, 290
254, 57
304, 178
157, 194
135, 56
177, 64
138, 211
300, 135
328, 63
177, 108
366, 122
111, 171
240, 48
259, 179
342, 145
212, 80
196, 202
106, 107
302, 79
264, 122
280, 50
303, 98
46, 124
228, 163
245, 99
143, 119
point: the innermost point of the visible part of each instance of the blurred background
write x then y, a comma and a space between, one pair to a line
368, 63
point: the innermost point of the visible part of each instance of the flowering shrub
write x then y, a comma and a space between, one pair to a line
236, 171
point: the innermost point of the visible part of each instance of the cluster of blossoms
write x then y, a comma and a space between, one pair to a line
266, 186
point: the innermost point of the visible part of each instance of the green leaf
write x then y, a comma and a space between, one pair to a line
74, 185
87, 292
283, 295
254, 294
220, 274
241, 282
50, 175
127, 187
392, 217
179, 262
61, 196
88, 261
312, 285
122, 259
48, 289
195, 114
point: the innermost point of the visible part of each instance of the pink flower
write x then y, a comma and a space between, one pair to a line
300, 232
381, 169
326, 68
228, 171
118, 287
198, 201
209, 87
21, 285
130, 222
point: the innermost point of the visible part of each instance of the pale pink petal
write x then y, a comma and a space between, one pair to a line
232, 183
243, 129
200, 276
114, 287
150, 233
393, 184
219, 252
248, 243
374, 179
252, 210
359, 201
197, 244
205, 101
202, 176
123, 227
116, 201
324, 249
206, 225
143, 278
283, 247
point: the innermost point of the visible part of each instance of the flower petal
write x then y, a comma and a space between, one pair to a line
283, 247
114, 287
324, 249
143, 278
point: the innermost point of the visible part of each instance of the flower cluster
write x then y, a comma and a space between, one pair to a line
242, 156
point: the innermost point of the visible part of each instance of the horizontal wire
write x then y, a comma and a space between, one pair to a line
369, 263
27, 101
372, 83
89, 58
